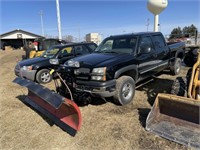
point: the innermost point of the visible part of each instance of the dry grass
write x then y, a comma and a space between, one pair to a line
104, 126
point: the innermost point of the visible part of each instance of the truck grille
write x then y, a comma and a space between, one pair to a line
82, 73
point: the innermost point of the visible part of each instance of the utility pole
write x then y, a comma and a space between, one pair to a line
58, 17
42, 26
79, 39
196, 36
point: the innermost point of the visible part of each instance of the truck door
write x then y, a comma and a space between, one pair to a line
146, 57
162, 51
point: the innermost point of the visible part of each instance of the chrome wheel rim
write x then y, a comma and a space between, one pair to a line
178, 67
45, 77
127, 91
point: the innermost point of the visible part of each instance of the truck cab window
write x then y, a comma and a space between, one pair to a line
145, 45
158, 41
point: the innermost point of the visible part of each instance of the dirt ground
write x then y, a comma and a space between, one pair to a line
105, 126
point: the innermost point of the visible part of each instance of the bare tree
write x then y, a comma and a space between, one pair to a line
48, 36
68, 38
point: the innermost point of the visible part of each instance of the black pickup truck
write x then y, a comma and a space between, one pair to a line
119, 62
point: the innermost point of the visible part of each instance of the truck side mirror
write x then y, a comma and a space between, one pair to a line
148, 49
145, 49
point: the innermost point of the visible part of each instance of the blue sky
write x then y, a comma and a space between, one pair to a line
106, 17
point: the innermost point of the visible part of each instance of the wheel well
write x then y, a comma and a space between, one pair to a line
37, 72
180, 55
131, 73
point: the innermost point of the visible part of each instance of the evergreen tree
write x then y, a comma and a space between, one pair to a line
176, 33
187, 31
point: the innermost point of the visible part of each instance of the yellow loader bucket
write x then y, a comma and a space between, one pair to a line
39, 53
32, 54
175, 118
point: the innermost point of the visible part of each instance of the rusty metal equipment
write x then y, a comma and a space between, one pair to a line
177, 118
62, 111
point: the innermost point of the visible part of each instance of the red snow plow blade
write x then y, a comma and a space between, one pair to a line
62, 111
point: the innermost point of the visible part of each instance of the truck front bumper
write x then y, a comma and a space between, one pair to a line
96, 88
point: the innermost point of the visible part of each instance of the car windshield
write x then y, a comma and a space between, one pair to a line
117, 45
49, 53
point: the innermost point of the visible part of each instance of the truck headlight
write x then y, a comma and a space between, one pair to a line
99, 74
72, 63
27, 68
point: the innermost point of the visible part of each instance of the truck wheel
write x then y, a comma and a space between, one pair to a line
125, 90
176, 69
189, 60
180, 87
43, 76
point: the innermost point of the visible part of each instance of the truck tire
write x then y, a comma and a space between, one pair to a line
43, 76
125, 90
189, 60
180, 87
176, 68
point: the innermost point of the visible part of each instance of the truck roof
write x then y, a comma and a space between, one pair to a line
136, 34
73, 44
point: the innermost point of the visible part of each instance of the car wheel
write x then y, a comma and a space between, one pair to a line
125, 90
43, 76
176, 69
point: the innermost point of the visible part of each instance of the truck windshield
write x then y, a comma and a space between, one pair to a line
49, 53
117, 45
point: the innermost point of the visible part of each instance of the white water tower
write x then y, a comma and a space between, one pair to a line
156, 7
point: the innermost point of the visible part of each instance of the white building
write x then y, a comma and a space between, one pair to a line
93, 37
